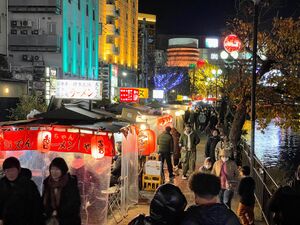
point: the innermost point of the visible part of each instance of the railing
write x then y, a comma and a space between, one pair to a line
265, 184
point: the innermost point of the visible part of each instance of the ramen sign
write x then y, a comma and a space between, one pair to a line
232, 43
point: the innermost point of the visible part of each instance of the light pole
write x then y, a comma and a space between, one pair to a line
124, 74
253, 87
216, 73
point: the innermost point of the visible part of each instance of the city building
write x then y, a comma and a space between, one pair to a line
118, 44
3, 27
182, 52
57, 38
146, 47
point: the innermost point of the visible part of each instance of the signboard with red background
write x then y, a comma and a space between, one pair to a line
129, 95
232, 43
12, 139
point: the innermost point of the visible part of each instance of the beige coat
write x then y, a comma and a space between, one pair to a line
231, 168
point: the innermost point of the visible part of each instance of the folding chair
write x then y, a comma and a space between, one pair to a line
114, 198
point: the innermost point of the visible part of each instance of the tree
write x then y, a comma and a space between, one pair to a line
24, 107
203, 80
278, 76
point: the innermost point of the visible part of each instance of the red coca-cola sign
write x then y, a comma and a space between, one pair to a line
232, 43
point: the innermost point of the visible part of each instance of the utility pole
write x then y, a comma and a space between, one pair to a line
144, 64
253, 88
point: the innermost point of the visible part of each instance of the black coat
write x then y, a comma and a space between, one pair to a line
215, 214
69, 205
20, 202
285, 204
210, 147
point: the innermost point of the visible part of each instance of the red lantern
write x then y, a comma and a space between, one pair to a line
97, 147
232, 43
200, 63
146, 142
44, 141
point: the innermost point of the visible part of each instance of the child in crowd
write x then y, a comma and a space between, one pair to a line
207, 166
247, 200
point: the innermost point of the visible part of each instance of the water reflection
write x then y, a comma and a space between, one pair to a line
278, 149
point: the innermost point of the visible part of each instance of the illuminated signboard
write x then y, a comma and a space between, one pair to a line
129, 94
79, 89
232, 43
211, 42
143, 92
158, 94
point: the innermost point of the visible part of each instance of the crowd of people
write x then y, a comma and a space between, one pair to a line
219, 177
22, 204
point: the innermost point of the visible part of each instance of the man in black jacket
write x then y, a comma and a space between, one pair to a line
20, 201
208, 210
211, 143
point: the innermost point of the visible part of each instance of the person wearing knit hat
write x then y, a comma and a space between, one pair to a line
61, 197
20, 200
227, 170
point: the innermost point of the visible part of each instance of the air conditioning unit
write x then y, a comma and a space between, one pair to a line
13, 23
36, 58
24, 32
26, 23
19, 23
13, 31
26, 57
35, 32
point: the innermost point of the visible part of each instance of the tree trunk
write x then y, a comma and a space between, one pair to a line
236, 128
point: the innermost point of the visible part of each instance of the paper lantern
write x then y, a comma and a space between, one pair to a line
97, 147
146, 142
200, 63
44, 141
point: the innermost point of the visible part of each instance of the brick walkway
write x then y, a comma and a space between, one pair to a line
183, 184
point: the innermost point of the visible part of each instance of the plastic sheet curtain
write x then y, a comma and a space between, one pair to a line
129, 174
93, 177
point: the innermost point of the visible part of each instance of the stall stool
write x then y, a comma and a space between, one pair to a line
114, 198
151, 182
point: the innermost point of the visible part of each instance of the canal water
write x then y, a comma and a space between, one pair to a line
279, 151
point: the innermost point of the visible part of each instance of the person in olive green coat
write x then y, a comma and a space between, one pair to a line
188, 142
165, 149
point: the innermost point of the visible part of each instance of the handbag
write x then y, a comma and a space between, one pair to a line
52, 221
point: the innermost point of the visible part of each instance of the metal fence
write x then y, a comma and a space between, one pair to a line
265, 184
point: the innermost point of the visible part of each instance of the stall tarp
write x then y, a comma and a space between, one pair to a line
129, 187
93, 177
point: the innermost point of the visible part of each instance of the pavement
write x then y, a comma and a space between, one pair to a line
145, 196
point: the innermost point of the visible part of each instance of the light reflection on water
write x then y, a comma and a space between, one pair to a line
278, 148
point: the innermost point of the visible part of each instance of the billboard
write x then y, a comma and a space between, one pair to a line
79, 89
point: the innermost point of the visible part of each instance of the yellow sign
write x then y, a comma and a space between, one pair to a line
143, 93
180, 98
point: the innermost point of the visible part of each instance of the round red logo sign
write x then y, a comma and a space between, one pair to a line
232, 43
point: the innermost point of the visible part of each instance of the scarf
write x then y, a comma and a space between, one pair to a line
53, 190
189, 142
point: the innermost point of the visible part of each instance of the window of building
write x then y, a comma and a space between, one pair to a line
69, 1
93, 45
69, 33
94, 15
78, 4
78, 38
87, 10
87, 42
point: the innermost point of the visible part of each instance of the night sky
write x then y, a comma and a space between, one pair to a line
201, 17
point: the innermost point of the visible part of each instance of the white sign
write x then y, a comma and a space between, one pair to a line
159, 94
79, 89
211, 42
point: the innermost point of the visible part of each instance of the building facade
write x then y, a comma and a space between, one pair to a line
60, 36
146, 47
3, 27
118, 37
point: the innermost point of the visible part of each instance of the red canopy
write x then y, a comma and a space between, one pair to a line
56, 138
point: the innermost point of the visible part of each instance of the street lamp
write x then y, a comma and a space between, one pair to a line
124, 74
216, 73
253, 87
